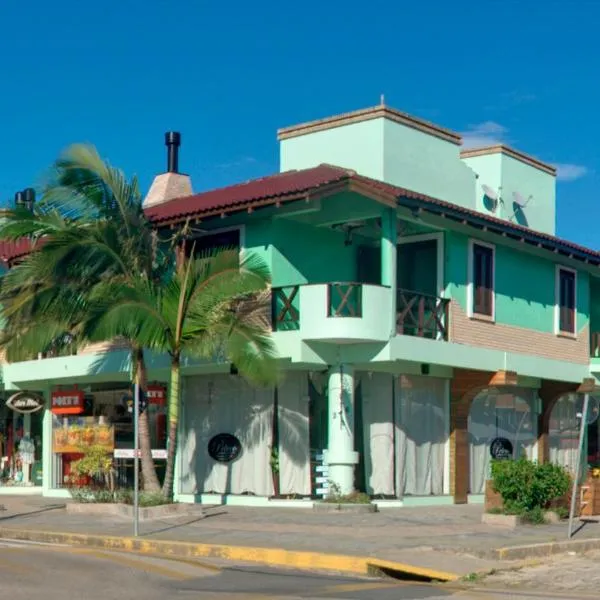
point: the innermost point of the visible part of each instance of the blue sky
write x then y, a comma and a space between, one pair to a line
228, 74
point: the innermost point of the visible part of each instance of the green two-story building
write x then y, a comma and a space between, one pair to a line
425, 313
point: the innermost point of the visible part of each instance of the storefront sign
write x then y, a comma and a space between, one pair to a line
501, 449
25, 402
156, 394
71, 440
224, 448
68, 402
130, 453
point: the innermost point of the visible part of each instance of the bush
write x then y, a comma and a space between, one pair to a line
88, 495
526, 486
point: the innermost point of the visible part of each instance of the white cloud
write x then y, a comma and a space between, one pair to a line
570, 172
488, 133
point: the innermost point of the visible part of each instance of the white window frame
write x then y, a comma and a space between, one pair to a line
557, 330
471, 284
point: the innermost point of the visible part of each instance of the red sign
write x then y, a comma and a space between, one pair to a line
68, 402
156, 394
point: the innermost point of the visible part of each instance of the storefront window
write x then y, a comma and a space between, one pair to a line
20, 447
105, 418
498, 414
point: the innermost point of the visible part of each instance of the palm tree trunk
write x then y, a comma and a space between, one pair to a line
174, 392
149, 477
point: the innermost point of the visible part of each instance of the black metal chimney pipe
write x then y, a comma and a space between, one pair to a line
19, 199
29, 195
172, 141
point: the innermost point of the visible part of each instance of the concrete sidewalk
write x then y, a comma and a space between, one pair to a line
449, 538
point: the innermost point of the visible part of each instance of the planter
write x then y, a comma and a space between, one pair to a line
330, 507
493, 500
513, 521
590, 497
126, 510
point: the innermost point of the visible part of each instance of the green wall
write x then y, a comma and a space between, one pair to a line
525, 285
299, 253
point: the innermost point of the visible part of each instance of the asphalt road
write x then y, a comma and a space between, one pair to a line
55, 572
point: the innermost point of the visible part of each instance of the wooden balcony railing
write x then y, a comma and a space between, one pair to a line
344, 299
285, 308
421, 315
595, 344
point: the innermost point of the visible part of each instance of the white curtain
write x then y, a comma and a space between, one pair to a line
378, 432
294, 441
227, 404
563, 434
421, 434
496, 413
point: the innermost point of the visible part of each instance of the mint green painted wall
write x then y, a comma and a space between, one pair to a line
525, 285
427, 164
507, 175
299, 253
358, 146
488, 169
594, 304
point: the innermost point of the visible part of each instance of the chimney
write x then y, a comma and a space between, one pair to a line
171, 184
20, 199
172, 141
29, 195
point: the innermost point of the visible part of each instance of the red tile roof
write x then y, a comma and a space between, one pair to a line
10, 250
237, 196
293, 185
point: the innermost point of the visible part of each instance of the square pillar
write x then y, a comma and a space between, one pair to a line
389, 245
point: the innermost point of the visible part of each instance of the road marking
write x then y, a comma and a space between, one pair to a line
358, 587
138, 564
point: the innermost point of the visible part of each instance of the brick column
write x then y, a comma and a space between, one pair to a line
465, 385
549, 393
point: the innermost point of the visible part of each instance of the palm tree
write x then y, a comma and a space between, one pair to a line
88, 229
213, 307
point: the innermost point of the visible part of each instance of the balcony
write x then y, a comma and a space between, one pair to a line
346, 312
339, 312
421, 315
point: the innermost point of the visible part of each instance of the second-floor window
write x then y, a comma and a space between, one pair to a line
482, 278
565, 301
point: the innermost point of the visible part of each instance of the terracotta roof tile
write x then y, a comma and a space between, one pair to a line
274, 186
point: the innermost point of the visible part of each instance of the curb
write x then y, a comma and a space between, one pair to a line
546, 549
272, 557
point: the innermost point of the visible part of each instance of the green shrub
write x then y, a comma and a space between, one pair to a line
335, 496
527, 486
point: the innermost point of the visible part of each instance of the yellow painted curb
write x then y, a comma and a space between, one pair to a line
273, 557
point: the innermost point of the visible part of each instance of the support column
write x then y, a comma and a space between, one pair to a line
341, 456
389, 245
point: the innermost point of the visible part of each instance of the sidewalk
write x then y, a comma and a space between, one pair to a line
448, 538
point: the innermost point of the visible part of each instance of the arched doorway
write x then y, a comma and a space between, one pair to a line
503, 412
563, 432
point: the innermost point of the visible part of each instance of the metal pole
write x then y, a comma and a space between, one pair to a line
136, 463
582, 426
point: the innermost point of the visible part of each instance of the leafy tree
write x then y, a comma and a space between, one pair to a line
89, 231
213, 307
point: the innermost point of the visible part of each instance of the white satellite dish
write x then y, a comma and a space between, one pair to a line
520, 200
489, 192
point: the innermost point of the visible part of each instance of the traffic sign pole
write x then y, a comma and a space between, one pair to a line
136, 460
582, 427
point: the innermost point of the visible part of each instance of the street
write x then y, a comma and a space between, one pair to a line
58, 572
